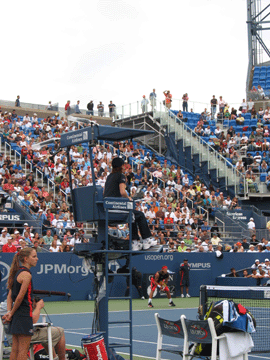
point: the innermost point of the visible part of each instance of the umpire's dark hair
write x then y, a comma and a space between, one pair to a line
117, 162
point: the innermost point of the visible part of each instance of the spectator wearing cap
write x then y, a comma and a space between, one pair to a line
205, 244
215, 240
3, 237
9, 247
182, 247
144, 104
267, 247
251, 226
237, 247
267, 264
252, 249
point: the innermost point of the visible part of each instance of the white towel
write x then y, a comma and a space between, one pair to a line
235, 345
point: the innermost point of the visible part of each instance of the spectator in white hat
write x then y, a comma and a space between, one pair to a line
3, 237
252, 249
251, 226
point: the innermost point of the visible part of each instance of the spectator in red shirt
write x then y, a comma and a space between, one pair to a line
8, 186
9, 247
64, 184
67, 108
168, 99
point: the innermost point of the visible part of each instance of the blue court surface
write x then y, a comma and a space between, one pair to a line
77, 325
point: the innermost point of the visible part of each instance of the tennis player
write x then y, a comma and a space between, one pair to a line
20, 302
160, 281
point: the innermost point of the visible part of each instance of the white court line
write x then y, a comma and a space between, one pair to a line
117, 311
112, 327
257, 356
117, 338
123, 353
141, 341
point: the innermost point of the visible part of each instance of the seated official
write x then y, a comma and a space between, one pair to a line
40, 334
115, 186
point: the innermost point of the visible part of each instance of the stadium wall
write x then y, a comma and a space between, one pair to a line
64, 272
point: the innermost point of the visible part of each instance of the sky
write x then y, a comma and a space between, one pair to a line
120, 50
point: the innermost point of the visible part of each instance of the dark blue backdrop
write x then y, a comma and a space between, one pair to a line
64, 272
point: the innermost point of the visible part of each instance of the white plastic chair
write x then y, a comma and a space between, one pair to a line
171, 329
200, 331
48, 325
42, 324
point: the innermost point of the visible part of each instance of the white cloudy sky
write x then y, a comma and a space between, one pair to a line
121, 49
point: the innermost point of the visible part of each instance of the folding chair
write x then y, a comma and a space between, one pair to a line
171, 329
203, 332
43, 324
48, 325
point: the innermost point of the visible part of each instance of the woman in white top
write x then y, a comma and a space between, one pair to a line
244, 106
261, 91
54, 247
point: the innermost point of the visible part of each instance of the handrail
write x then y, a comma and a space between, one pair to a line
216, 218
8, 149
23, 207
26, 105
204, 210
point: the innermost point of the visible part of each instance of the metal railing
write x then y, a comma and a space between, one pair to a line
222, 222
29, 105
207, 153
27, 166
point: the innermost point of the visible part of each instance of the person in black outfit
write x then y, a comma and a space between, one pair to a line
136, 279
233, 273
90, 107
20, 302
245, 244
160, 281
184, 277
115, 186
215, 230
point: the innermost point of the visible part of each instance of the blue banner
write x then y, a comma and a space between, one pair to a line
64, 272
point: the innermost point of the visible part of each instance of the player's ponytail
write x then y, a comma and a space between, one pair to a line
17, 259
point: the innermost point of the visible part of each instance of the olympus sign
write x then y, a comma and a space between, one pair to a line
8, 217
199, 266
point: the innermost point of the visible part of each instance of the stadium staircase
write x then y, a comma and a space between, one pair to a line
194, 154
234, 228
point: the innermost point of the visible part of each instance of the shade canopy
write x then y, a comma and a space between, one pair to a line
100, 132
